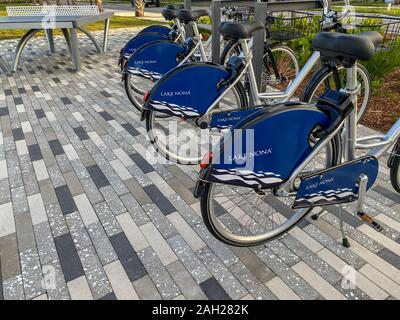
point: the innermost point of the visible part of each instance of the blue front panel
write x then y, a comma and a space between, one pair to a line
139, 41
188, 90
153, 60
336, 185
264, 149
158, 29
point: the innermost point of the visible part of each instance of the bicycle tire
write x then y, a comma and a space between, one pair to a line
151, 128
208, 221
321, 76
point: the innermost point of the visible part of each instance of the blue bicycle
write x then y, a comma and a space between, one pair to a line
256, 184
176, 33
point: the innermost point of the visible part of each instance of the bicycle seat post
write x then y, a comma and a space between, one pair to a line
198, 38
247, 56
351, 121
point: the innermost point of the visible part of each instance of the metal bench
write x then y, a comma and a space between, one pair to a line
70, 19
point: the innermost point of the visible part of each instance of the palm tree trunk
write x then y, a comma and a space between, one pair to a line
139, 8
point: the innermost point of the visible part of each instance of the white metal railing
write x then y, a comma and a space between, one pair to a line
80, 10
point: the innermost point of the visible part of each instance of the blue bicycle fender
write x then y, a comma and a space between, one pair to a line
336, 185
153, 60
262, 150
136, 42
188, 90
156, 28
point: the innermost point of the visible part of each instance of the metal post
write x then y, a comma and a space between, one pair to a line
188, 4
216, 20
50, 40
75, 49
351, 121
106, 31
260, 14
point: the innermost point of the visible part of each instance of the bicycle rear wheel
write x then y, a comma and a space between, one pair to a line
323, 80
135, 88
240, 216
182, 140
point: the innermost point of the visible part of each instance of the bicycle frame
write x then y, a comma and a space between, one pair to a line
257, 97
349, 135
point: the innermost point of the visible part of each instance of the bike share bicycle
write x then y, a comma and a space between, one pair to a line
179, 95
271, 173
176, 33
152, 60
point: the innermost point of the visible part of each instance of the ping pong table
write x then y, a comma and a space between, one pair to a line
70, 25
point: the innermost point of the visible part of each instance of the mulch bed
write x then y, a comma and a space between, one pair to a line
384, 108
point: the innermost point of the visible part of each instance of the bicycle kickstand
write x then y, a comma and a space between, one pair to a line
362, 191
316, 216
345, 241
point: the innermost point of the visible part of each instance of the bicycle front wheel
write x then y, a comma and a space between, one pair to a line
323, 80
280, 68
182, 140
135, 88
239, 216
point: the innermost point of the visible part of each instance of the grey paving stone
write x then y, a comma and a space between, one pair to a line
146, 289
134, 209
159, 199
69, 260
10, 266
314, 261
160, 276
191, 217
56, 219
213, 290
65, 199
91, 191
254, 264
291, 278
254, 286
129, 259
98, 176
101, 243
26, 238
19, 201
113, 201
336, 247
77, 230
110, 224
95, 274
221, 250
159, 220
220, 272
31, 273
390, 257
13, 288
283, 252
189, 288
189, 259
45, 243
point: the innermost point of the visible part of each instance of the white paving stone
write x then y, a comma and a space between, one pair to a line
120, 283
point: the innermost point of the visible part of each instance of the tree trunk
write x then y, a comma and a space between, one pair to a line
139, 8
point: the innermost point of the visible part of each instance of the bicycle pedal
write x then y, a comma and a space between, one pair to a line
368, 219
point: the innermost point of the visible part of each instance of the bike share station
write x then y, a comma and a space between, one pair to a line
329, 124
272, 203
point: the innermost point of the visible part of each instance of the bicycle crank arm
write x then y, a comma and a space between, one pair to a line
368, 219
